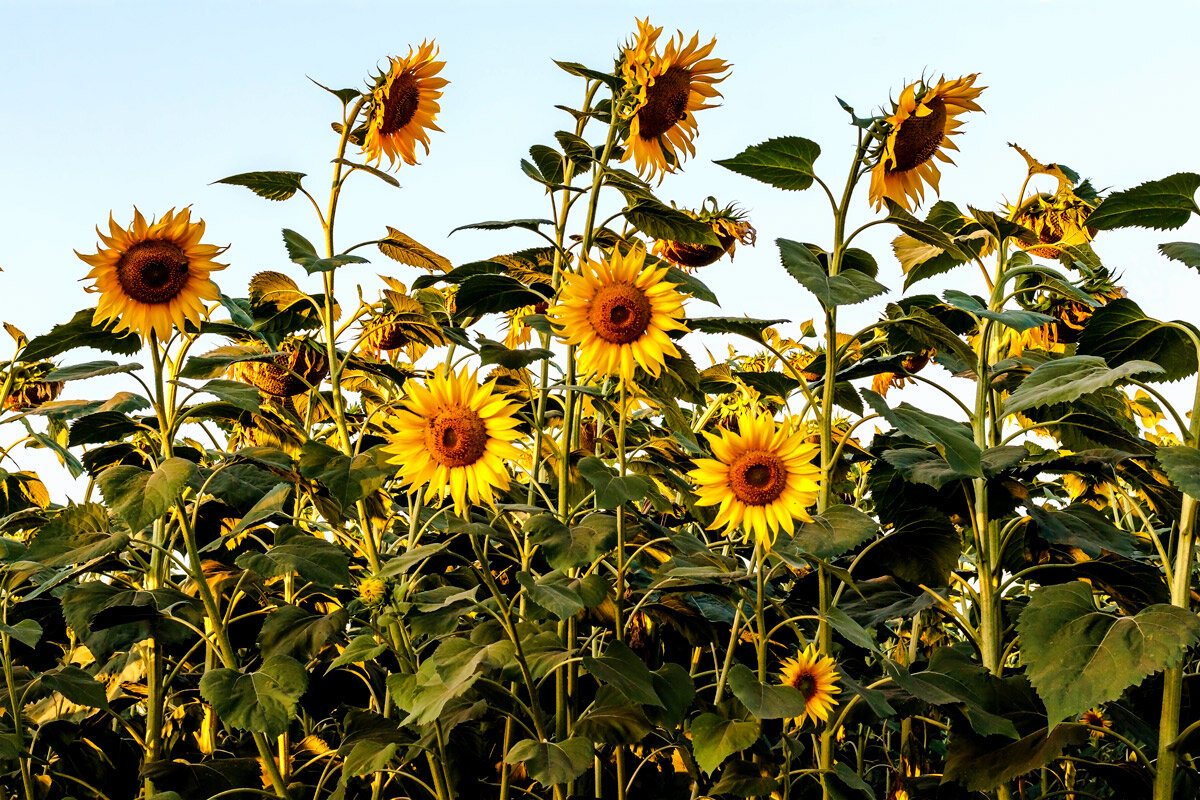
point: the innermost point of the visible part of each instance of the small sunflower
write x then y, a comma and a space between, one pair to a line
619, 312
667, 89
919, 131
454, 434
815, 677
373, 592
151, 276
911, 365
762, 477
728, 224
404, 106
1095, 718
1058, 220
296, 367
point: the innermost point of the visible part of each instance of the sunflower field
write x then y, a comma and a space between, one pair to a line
337, 542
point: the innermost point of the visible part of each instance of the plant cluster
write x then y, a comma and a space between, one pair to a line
336, 546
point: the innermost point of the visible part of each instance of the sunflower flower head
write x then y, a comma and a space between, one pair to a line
728, 224
153, 275
815, 677
619, 311
29, 387
1096, 719
664, 89
762, 478
454, 436
404, 106
296, 367
372, 592
1058, 221
918, 135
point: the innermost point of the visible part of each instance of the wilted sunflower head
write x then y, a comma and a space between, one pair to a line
815, 677
29, 388
404, 106
919, 131
402, 323
728, 224
665, 89
296, 367
153, 275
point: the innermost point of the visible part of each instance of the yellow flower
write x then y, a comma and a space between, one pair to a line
372, 592
1058, 220
404, 106
912, 364
151, 276
29, 389
619, 312
815, 677
730, 228
762, 477
667, 89
454, 434
1095, 718
919, 131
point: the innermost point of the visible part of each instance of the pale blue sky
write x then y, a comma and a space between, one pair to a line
107, 105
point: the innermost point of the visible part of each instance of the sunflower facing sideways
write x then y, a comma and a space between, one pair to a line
919, 132
404, 106
729, 226
762, 477
153, 275
619, 312
815, 677
667, 89
453, 433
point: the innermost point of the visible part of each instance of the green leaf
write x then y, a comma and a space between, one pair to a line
499, 225
922, 231
75, 535
692, 285
295, 551
846, 288
850, 630
242, 395
272, 503
271, 185
612, 719
216, 361
489, 294
659, 221
1078, 657
299, 249
313, 266
979, 766
1163, 204
1080, 525
1119, 332
552, 763
953, 439
292, 631
496, 353
785, 162
549, 163
613, 491
1067, 379
576, 149
28, 632
347, 479
1182, 465
752, 329
715, 738
611, 81
953, 679
81, 332
378, 173
263, 701
368, 757
364, 647
765, 700
553, 592
139, 496
1017, 319
91, 369
838, 530
563, 547
101, 428
1187, 253
622, 669
75, 685
923, 466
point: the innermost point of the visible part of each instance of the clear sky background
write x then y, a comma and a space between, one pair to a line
107, 105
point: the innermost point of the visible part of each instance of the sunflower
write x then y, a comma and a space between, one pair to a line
762, 477
404, 105
153, 275
919, 131
1057, 220
911, 365
619, 312
291, 372
667, 89
815, 677
1095, 718
29, 388
728, 224
454, 434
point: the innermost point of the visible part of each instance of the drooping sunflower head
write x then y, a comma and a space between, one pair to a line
297, 367
404, 106
728, 224
1058, 220
665, 89
454, 435
918, 135
153, 275
619, 311
762, 477
29, 387
815, 677
402, 323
